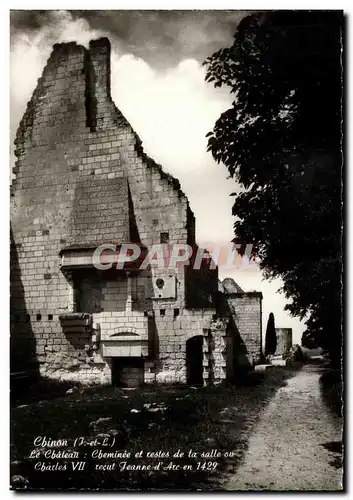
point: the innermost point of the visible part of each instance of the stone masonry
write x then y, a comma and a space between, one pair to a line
284, 341
82, 180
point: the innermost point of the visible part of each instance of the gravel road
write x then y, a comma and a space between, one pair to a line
296, 444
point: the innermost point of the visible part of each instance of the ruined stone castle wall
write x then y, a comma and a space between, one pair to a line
246, 308
81, 175
284, 340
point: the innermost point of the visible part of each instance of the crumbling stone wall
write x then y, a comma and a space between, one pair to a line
284, 341
246, 309
22, 340
73, 150
82, 179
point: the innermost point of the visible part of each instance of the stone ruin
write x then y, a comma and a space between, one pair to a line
284, 341
81, 180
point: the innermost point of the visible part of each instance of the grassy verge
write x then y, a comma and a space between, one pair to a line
332, 390
213, 421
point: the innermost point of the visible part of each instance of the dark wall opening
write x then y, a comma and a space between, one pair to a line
97, 291
127, 371
194, 360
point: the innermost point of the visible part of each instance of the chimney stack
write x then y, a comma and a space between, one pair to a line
99, 55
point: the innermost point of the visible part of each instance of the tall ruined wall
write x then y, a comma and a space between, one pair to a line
80, 172
246, 309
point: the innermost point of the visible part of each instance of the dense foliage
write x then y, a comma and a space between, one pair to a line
281, 142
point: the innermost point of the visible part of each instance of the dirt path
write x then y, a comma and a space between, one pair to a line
294, 445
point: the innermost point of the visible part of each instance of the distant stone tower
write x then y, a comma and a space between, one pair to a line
284, 340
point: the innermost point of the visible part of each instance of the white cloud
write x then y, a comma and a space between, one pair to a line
171, 110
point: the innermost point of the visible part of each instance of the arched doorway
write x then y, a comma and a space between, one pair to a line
194, 360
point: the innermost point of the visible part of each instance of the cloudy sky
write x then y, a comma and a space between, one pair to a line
158, 84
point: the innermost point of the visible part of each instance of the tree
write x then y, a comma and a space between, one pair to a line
271, 337
308, 341
281, 141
